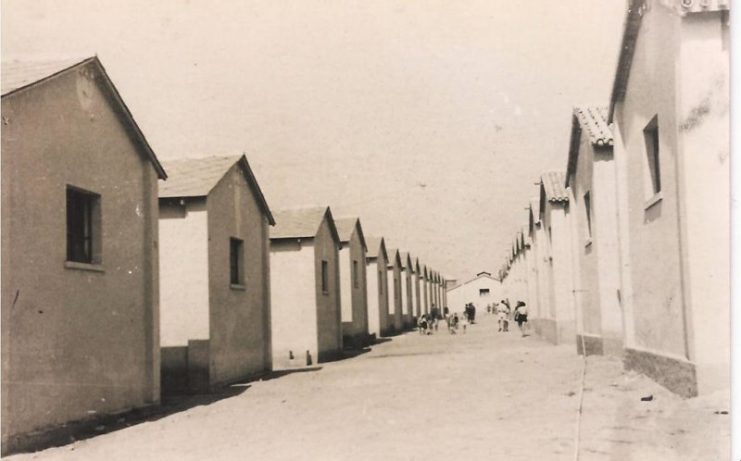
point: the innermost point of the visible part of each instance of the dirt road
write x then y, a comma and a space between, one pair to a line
479, 396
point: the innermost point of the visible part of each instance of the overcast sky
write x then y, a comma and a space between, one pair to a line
430, 120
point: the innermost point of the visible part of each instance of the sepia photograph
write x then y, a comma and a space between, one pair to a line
367, 230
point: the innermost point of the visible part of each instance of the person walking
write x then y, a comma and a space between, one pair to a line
503, 315
453, 324
521, 317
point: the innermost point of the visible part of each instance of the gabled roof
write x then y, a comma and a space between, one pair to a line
345, 228
196, 177
480, 275
374, 245
631, 28
393, 254
553, 184
20, 75
534, 213
684, 7
407, 260
592, 121
302, 223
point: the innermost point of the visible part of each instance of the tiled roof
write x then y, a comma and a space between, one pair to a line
392, 254
18, 74
406, 258
345, 228
374, 245
593, 122
553, 184
301, 223
195, 177
684, 7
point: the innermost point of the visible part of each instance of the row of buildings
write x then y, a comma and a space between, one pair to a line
626, 251
124, 277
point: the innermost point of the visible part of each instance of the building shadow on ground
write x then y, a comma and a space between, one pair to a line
281, 373
170, 404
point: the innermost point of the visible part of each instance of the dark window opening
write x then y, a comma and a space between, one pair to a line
325, 277
83, 226
651, 136
355, 281
236, 270
588, 210
483, 292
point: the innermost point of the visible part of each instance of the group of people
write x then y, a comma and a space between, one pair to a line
504, 312
427, 323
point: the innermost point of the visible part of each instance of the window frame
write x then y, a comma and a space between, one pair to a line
652, 162
236, 263
587, 199
90, 255
324, 276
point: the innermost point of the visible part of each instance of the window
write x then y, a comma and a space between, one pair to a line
483, 292
381, 276
325, 277
355, 282
236, 268
651, 136
588, 211
83, 226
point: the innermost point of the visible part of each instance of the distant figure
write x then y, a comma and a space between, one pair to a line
453, 324
423, 324
446, 312
503, 315
488, 308
472, 314
521, 317
464, 323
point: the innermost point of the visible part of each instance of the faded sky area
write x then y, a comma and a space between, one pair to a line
431, 120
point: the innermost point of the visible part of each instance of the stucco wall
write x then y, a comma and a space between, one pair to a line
354, 298
329, 312
658, 315
468, 292
408, 280
561, 288
75, 341
424, 286
417, 294
395, 296
184, 311
542, 263
237, 314
585, 249
704, 172
293, 302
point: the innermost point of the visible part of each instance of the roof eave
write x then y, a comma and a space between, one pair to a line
625, 58
252, 181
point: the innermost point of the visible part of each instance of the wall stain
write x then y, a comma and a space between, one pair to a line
697, 115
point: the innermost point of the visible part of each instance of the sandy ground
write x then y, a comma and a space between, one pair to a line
479, 396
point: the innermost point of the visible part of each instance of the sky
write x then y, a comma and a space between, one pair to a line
430, 120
